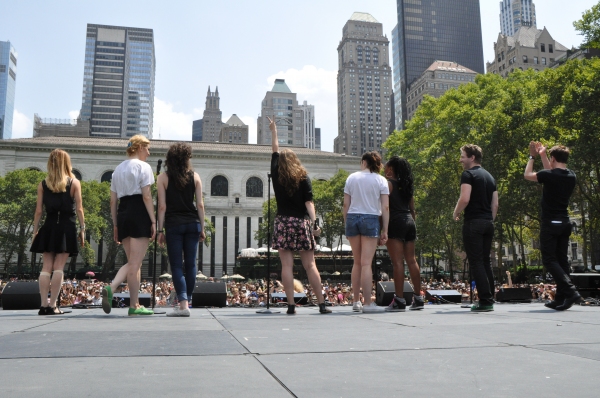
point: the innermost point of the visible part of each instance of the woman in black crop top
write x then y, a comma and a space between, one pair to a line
402, 232
295, 226
60, 195
180, 223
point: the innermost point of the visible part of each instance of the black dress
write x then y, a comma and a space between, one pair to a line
59, 232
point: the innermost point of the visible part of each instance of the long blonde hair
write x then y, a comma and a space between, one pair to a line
59, 170
291, 171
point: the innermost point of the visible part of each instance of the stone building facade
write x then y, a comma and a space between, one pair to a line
234, 181
234, 131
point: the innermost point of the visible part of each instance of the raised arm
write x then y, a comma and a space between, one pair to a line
273, 128
529, 174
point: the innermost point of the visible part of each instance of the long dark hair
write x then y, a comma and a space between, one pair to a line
178, 164
403, 173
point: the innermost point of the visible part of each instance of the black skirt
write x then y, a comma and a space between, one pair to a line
56, 237
133, 220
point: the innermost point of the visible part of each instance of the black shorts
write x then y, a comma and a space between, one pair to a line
133, 220
402, 227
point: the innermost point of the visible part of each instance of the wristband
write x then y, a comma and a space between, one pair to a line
531, 157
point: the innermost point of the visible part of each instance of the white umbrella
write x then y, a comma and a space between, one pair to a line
225, 277
165, 275
323, 249
201, 276
237, 276
336, 273
343, 248
249, 252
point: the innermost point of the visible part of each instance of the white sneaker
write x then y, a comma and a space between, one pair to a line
372, 308
179, 312
357, 306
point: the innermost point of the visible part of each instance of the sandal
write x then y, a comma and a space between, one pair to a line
44, 311
54, 311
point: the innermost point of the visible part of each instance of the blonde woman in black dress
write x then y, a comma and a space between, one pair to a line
60, 195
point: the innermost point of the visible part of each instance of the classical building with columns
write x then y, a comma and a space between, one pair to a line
234, 180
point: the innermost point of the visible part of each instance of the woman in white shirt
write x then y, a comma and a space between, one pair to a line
133, 220
366, 198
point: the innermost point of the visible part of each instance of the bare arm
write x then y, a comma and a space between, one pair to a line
38, 208
463, 200
310, 208
113, 212
76, 193
273, 128
199, 204
534, 148
161, 190
494, 205
347, 201
147, 197
541, 150
385, 216
411, 206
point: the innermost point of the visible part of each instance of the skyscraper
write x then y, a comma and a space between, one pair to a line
280, 103
212, 118
427, 31
8, 80
118, 81
364, 85
318, 138
516, 13
234, 131
308, 125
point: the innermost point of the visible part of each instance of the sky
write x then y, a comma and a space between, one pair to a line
239, 46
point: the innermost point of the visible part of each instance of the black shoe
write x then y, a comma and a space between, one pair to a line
291, 309
323, 309
398, 304
44, 310
569, 302
553, 304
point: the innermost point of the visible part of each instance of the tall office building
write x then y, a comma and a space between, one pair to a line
516, 13
308, 124
434, 30
118, 81
364, 85
234, 131
8, 80
281, 104
209, 127
318, 138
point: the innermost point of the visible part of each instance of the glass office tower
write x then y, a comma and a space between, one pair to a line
118, 81
427, 31
8, 80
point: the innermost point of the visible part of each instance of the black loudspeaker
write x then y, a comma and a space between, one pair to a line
443, 296
207, 294
385, 293
299, 298
123, 300
21, 296
520, 294
586, 281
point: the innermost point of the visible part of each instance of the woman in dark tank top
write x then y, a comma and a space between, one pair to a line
181, 221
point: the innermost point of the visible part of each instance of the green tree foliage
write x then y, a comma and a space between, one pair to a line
18, 190
502, 116
589, 27
263, 228
328, 197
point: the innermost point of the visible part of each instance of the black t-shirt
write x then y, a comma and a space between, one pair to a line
558, 187
292, 206
483, 187
399, 206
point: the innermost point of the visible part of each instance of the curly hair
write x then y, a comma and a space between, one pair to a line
291, 171
178, 164
403, 173
59, 170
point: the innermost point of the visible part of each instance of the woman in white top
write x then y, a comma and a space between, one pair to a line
366, 198
133, 220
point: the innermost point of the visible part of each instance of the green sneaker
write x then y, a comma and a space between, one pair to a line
107, 297
482, 308
140, 311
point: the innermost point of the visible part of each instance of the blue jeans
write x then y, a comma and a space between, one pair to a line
182, 246
477, 238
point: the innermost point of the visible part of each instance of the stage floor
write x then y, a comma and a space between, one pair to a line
519, 350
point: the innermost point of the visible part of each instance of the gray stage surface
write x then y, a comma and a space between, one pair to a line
519, 350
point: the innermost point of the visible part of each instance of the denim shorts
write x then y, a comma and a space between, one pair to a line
362, 224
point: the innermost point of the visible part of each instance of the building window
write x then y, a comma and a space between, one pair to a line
106, 177
524, 59
219, 186
550, 48
543, 60
543, 47
77, 174
254, 187
535, 60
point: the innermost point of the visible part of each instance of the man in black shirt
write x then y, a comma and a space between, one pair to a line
479, 200
555, 227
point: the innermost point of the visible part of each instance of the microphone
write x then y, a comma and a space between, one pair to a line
158, 166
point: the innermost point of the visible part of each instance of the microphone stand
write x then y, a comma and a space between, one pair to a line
268, 309
155, 243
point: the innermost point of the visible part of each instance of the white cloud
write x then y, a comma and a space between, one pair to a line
251, 122
318, 87
22, 126
73, 114
170, 124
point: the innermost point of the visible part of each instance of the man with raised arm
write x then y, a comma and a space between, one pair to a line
555, 228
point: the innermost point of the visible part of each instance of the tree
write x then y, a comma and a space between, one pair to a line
328, 197
263, 228
589, 27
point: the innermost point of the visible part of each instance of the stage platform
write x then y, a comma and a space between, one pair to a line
519, 350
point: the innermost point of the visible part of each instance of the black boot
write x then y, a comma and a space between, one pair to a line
323, 309
291, 309
569, 302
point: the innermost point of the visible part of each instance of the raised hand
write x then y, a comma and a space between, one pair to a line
533, 148
272, 125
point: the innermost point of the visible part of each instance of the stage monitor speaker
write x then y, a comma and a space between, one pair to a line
443, 296
21, 296
299, 298
586, 281
385, 293
520, 294
123, 300
207, 294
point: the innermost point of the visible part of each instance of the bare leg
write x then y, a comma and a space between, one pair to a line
287, 274
413, 266
356, 268
396, 251
137, 251
122, 273
48, 259
308, 261
57, 277
368, 246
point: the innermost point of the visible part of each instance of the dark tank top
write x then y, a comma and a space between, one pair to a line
398, 206
60, 206
180, 204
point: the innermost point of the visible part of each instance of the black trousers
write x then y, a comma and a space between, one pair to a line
554, 245
477, 238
